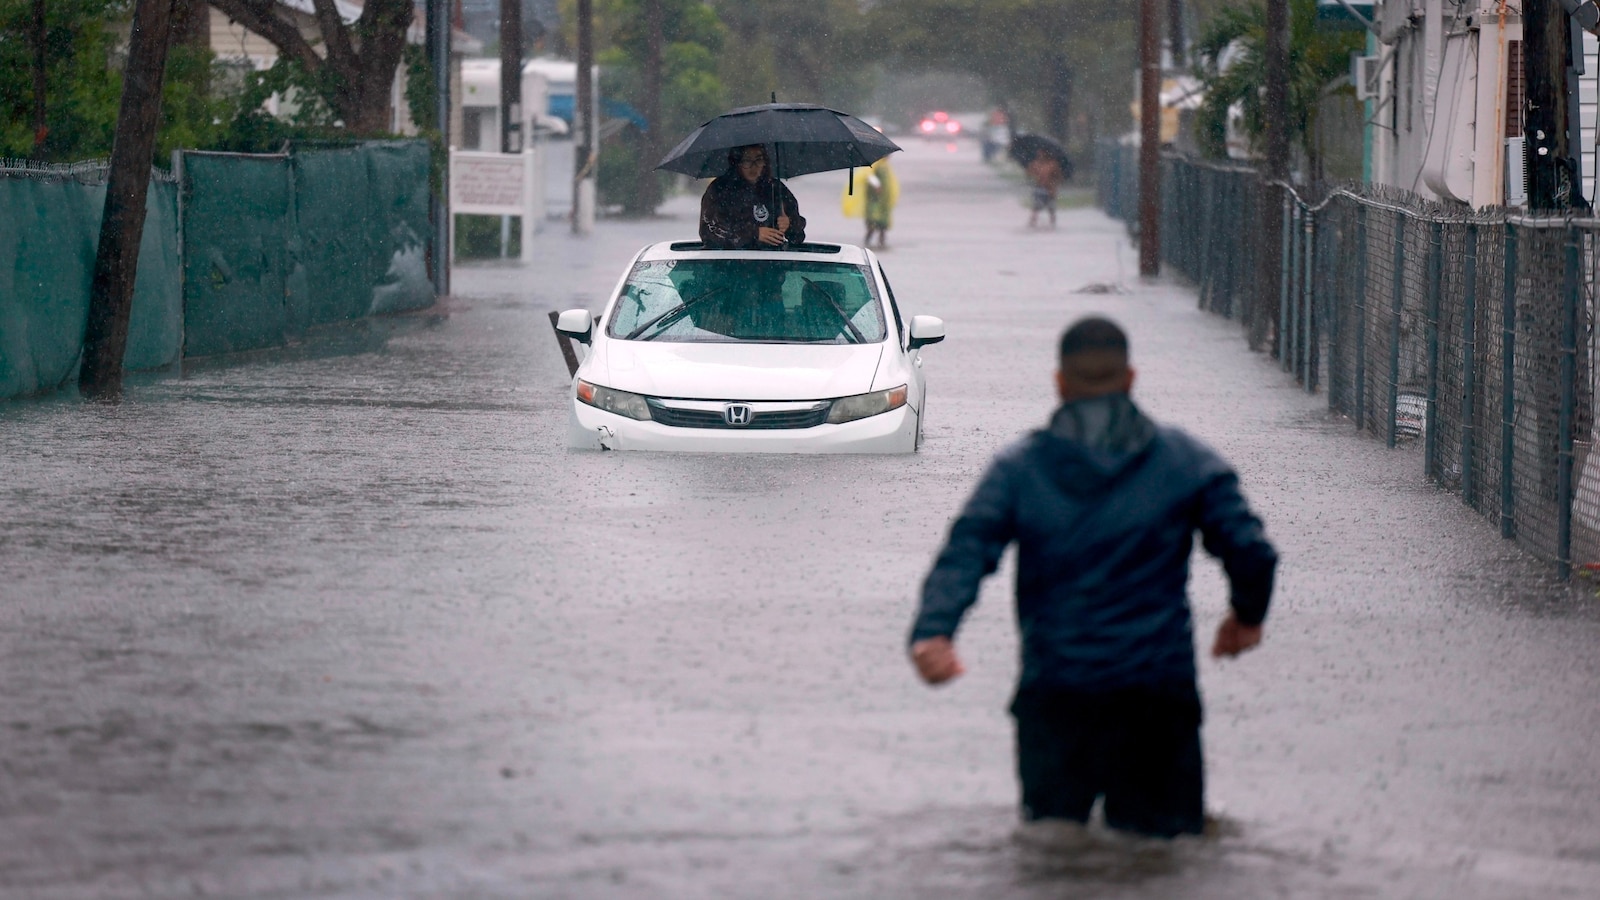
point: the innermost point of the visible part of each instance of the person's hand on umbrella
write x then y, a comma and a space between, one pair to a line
772, 237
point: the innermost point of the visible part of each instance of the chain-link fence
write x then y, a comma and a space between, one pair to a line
1470, 332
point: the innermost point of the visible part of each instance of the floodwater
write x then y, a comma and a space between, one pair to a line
348, 620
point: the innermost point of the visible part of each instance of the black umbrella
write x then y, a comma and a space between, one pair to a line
1024, 147
803, 139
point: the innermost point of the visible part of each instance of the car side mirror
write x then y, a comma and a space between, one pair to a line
925, 330
576, 324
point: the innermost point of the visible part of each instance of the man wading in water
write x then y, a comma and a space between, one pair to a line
1103, 505
745, 208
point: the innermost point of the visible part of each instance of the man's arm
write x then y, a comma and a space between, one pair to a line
977, 540
1233, 534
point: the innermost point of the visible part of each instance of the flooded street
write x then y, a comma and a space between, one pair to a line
348, 620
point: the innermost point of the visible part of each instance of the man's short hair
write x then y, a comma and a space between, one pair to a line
1094, 352
1093, 333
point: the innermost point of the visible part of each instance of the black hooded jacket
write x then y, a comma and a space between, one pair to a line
1103, 506
732, 212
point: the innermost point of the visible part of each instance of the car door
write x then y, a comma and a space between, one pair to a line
913, 359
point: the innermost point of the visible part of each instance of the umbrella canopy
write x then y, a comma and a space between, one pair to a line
802, 138
1024, 147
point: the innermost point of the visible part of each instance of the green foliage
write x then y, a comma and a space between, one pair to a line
691, 88
478, 237
204, 104
821, 51
82, 90
1015, 46
302, 113
1316, 58
419, 88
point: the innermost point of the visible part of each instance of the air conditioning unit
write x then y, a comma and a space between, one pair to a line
1516, 171
1366, 75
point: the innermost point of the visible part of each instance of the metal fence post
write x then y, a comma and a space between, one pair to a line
1508, 375
1430, 442
1469, 374
1571, 299
1394, 323
1307, 335
1361, 318
1285, 266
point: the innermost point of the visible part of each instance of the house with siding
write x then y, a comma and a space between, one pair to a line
1442, 81
234, 43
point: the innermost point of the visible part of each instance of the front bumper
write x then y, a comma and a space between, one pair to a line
595, 429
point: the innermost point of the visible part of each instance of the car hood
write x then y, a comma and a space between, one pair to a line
739, 371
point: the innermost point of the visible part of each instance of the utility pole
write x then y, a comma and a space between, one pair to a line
1175, 38
585, 153
438, 41
1547, 71
1149, 139
1263, 315
1058, 108
647, 189
116, 262
511, 77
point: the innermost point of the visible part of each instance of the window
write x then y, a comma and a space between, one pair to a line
748, 301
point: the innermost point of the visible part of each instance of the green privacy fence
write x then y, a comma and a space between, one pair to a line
51, 217
274, 245
255, 251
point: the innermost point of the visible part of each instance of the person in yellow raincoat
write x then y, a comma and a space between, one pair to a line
876, 192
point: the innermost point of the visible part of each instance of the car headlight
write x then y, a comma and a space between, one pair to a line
849, 409
613, 401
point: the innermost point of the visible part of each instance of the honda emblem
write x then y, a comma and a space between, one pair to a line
736, 414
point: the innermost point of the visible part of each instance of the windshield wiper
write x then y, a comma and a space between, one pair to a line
856, 337
673, 314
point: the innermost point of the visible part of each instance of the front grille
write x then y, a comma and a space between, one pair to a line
708, 418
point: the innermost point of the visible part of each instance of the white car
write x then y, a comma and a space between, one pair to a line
798, 350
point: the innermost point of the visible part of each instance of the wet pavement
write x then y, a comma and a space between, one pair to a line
347, 620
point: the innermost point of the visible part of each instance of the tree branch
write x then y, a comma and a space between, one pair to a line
336, 37
258, 16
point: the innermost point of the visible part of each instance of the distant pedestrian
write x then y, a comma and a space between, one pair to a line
1103, 505
883, 192
1044, 173
996, 133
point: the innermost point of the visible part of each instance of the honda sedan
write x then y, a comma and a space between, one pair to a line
797, 350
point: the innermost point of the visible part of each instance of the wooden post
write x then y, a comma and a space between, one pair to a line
1276, 112
122, 225
647, 188
1149, 139
1546, 52
437, 38
583, 118
511, 136
1175, 39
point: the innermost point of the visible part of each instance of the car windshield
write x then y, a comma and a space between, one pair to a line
748, 301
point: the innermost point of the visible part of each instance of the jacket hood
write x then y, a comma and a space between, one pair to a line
1090, 443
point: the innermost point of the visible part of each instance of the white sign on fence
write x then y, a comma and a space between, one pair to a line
496, 184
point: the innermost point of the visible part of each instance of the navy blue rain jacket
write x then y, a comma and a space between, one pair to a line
1103, 505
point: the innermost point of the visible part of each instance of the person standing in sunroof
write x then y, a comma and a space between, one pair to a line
745, 208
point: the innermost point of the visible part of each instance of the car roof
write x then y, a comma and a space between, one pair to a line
849, 254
